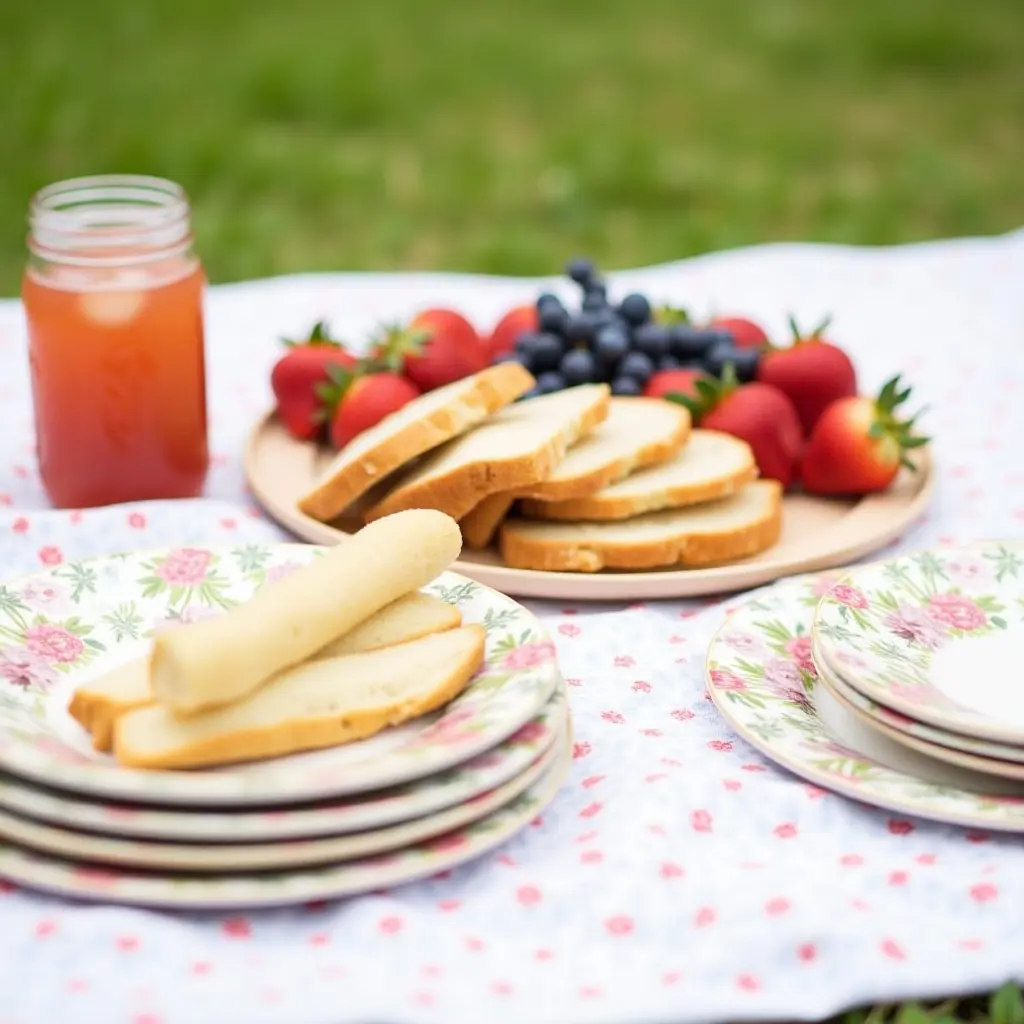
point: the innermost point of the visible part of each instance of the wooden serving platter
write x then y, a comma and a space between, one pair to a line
817, 533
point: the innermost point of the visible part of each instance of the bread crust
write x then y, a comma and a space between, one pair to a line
492, 389
481, 523
465, 486
521, 551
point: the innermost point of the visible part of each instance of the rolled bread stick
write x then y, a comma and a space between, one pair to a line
218, 661
98, 704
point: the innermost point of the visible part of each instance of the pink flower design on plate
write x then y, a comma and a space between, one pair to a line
969, 571
848, 658
726, 680
823, 584
742, 643
914, 625
850, 596
784, 680
187, 566
530, 733
45, 593
957, 611
529, 655
21, 667
914, 694
53, 643
799, 649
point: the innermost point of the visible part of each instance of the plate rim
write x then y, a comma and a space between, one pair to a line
614, 586
838, 784
19, 866
983, 728
194, 788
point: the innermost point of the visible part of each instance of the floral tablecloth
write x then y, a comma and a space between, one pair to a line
679, 876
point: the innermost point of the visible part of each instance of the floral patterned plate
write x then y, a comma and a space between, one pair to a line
233, 857
269, 889
375, 810
72, 622
762, 678
937, 635
889, 719
827, 680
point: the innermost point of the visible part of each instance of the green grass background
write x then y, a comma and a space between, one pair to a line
505, 135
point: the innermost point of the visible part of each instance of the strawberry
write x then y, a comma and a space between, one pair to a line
439, 346
859, 443
745, 333
668, 382
757, 413
365, 400
812, 372
516, 321
299, 377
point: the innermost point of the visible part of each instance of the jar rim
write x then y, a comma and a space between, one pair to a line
84, 220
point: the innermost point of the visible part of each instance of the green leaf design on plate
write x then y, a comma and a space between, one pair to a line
124, 621
82, 577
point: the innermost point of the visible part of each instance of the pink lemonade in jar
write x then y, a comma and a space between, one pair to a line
113, 300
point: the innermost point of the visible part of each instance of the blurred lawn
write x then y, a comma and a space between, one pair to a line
503, 135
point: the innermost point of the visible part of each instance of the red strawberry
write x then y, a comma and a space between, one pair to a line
812, 372
745, 333
438, 347
667, 382
757, 413
859, 444
299, 377
366, 401
515, 322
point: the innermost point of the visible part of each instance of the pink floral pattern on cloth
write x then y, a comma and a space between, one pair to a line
679, 876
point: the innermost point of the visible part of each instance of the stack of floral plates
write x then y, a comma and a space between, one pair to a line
405, 804
899, 684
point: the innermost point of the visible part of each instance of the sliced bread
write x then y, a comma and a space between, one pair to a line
711, 465
319, 704
638, 432
515, 448
98, 704
701, 535
423, 424
480, 524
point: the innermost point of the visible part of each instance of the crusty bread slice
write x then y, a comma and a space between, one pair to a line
701, 535
423, 424
515, 448
319, 704
98, 704
711, 465
481, 523
638, 432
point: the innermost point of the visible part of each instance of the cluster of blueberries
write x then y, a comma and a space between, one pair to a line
622, 344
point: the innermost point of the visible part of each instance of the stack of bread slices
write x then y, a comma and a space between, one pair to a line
574, 481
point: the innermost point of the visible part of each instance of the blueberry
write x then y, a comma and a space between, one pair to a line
547, 299
635, 308
578, 366
550, 381
594, 301
626, 386
546, 353
720, 336
669, 363
686, 342
652, 340
534, 392
553, 317
611, 343
581, 270
744, 361
584, 326
638, 366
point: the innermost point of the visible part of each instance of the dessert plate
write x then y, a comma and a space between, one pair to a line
936, 635
232, 857
266, 889
816, 532
930, 734
375, 810
762, 678
982, 765
68, 624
